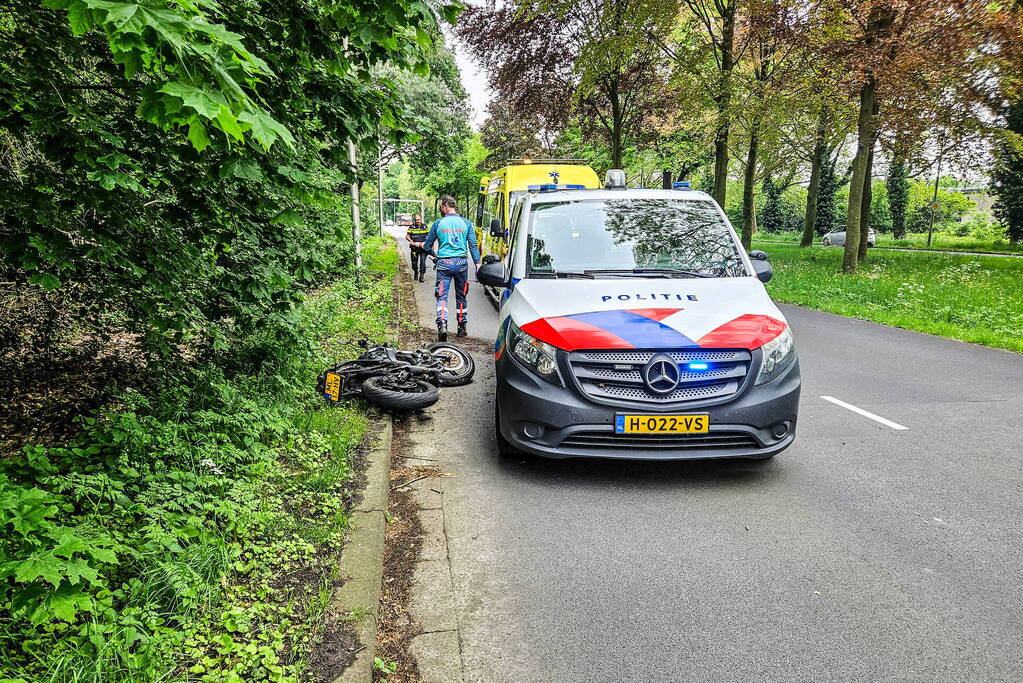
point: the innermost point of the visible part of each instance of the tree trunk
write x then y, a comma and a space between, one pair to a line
810, 219
749, 220
617, 114
868, 196
724, 103
864, 137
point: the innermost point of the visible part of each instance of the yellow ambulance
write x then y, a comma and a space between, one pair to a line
500, 192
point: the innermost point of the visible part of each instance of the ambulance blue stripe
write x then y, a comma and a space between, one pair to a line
638, 330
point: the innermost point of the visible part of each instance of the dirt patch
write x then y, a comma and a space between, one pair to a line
404, 539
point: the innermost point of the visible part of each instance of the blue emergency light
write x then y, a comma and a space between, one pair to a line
697, 366
681, 185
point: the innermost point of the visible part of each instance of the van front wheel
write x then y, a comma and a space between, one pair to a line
504, 448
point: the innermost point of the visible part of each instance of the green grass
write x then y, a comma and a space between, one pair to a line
205, 515
941, 242
973, 298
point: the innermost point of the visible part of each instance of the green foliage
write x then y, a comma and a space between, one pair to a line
973, 298
143, 161
828, 217
1007, 175
186, 532
898, 196
772, 218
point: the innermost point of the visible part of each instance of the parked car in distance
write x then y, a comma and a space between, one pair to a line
389, 222
836, 238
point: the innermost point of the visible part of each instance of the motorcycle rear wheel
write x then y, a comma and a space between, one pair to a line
387, 392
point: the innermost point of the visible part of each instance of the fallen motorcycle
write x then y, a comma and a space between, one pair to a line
396, 379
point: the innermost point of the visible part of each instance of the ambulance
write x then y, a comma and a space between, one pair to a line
501, 191
633, 324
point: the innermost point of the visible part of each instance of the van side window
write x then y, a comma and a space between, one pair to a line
491, 207
513, 235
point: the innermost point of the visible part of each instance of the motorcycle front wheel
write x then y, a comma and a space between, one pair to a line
399, 394
458, 367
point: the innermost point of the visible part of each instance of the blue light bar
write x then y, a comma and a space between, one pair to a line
681, 185
697, 366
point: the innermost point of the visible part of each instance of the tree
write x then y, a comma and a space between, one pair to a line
717, 21
184, 165
827, 209
1007, 174
898, 196
900, 54
586, 57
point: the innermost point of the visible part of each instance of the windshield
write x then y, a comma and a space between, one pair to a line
618, 237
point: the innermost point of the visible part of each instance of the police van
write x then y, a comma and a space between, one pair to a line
633, 324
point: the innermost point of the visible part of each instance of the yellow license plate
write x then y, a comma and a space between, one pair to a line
661, 424
332, 386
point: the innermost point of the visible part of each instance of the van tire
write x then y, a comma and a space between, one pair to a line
504, 448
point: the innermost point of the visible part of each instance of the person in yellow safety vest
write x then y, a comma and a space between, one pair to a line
415, 236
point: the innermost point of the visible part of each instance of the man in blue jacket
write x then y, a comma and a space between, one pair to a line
456, 242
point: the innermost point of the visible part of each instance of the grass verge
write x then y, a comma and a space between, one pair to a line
972, 298
940, 242
191, 533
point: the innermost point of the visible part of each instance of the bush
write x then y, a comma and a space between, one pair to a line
189, 532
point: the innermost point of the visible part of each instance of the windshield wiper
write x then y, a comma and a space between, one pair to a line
562, 273
666, 272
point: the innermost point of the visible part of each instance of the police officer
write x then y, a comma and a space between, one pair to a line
415, 236
456, 242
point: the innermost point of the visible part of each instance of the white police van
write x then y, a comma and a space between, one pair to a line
634, 325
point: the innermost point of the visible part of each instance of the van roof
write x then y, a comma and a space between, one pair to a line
575, 195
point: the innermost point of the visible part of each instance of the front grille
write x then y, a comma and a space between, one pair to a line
616, 376
724, 441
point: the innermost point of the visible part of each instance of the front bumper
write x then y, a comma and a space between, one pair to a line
557, 422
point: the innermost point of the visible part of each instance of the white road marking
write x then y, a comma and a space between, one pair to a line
864, 413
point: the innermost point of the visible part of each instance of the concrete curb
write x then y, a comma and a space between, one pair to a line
362, 562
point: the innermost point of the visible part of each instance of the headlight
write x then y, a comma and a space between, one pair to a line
539, 356
778, 355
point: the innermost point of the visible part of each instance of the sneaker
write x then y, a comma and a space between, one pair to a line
461, 331
442, 332
422, 277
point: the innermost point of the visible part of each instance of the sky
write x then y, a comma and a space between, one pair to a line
473, 78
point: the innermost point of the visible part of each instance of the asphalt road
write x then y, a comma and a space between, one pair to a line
863, 552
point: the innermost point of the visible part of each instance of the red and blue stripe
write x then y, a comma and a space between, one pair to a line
642, 328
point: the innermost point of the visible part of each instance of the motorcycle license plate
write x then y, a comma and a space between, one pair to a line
332, 387
661, 424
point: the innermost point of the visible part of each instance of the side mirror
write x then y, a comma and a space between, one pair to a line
758, 255
762, 268
490, 258
493, 274
496, 229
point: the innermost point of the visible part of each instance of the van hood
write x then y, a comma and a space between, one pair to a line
627, 313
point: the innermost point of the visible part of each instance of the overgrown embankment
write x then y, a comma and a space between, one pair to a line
972, 298
190, 530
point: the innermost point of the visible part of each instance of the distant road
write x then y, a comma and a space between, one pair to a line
925, 251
